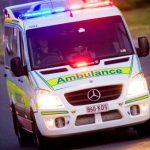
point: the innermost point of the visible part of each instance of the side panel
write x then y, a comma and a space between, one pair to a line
18, 87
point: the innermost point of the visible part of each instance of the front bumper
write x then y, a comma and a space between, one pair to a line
76, 120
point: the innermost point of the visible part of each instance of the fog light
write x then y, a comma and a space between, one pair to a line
60, 122
135, 110
49, 123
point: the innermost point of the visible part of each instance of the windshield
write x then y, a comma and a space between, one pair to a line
87, 40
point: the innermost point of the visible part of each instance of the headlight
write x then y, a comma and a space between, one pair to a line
48, 100
137, 86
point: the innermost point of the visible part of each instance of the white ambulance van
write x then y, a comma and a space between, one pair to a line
71, 67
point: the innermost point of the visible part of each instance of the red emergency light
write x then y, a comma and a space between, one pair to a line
97, 3
76, 7
81, 64
90, 4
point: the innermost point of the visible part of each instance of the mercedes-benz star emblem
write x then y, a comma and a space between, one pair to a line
94, 95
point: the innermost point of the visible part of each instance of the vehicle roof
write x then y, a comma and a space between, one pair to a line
59, 18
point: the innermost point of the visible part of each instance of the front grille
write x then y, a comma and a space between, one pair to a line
80, 97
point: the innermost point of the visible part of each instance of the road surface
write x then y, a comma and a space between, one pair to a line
107, 140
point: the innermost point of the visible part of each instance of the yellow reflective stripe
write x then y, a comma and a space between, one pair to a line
53, 112
88, 74
136, 99
14, 21
18, 94
44, 80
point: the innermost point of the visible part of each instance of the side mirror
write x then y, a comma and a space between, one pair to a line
17, 67
144, 48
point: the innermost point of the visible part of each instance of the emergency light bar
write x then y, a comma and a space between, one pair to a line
54, 7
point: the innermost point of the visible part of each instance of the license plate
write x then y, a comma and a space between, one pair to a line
97, 108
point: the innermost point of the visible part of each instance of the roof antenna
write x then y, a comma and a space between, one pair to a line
71, 15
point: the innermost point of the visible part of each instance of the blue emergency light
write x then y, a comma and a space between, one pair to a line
36, 14
59, 9
40, 13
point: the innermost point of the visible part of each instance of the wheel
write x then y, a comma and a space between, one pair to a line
43, 143
24, 137
39, 139
14, 118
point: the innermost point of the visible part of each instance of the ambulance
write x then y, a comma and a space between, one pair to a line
71, 67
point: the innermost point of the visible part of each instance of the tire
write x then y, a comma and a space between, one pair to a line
40, 141
44, 143
14, 118
24, 137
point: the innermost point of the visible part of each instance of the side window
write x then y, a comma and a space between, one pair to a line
21, 48
10, 44
122, 37
13, 42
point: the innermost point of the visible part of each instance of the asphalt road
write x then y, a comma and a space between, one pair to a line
121, 139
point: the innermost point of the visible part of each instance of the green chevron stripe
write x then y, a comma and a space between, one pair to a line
136, 99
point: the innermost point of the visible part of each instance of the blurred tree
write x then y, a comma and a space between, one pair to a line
129, 4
